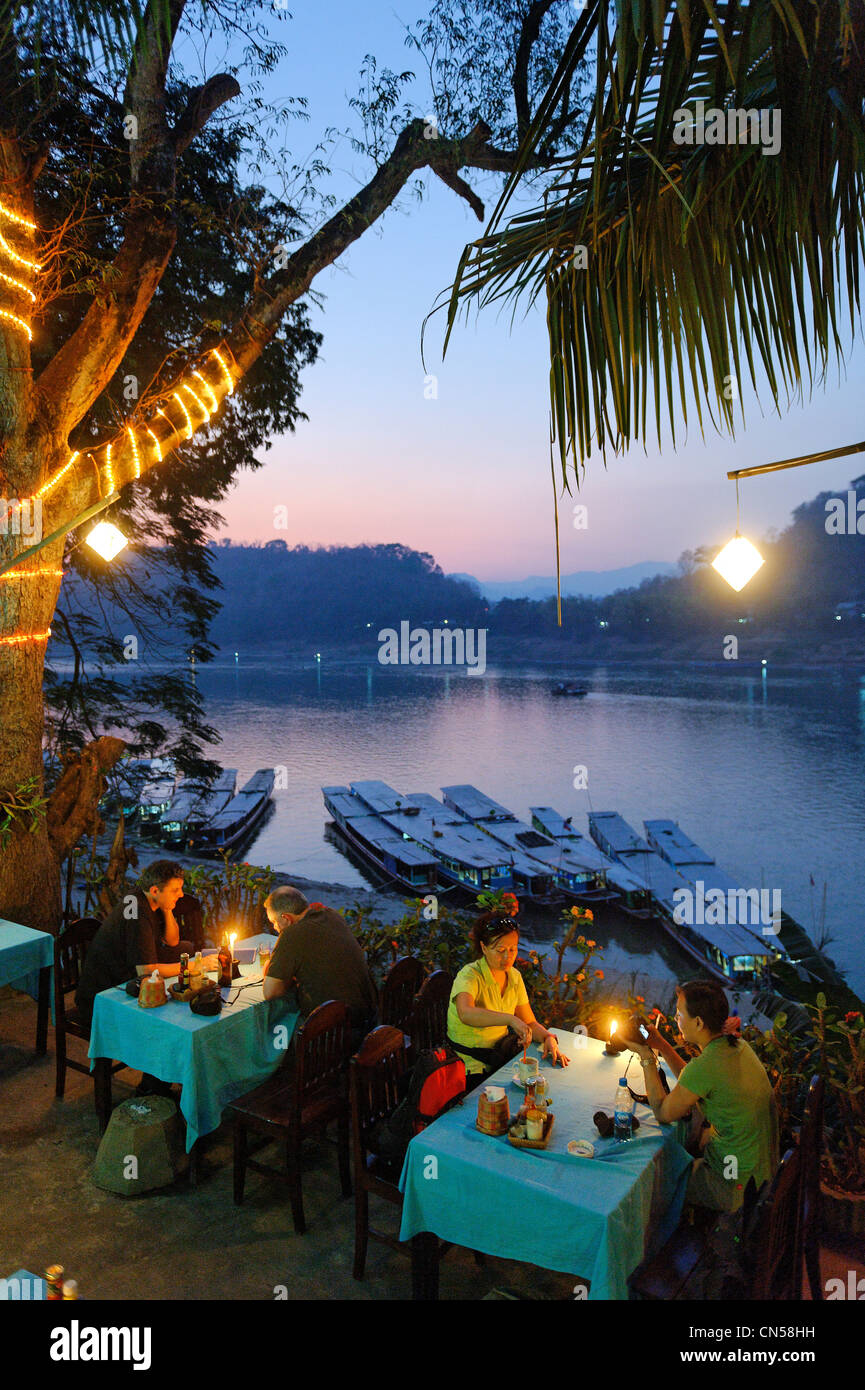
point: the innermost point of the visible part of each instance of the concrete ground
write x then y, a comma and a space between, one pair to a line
184, 1242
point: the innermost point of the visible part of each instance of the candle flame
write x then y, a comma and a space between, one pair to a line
613, 1026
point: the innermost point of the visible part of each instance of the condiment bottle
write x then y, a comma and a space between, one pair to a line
70, 1289
54, 1282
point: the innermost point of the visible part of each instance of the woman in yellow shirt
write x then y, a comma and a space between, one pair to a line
489, 997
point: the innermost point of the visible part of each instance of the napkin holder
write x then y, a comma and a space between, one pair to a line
152, 992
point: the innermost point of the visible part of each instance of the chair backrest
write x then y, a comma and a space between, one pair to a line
322, 1050
70, 949
428, 1024
189, 915
374, 1075
811, 1135
404, 979
774, 1245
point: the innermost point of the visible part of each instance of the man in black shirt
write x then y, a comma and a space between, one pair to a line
138, 936
318, 957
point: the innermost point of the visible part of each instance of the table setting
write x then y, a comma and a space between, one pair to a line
215, 1056
576, 1202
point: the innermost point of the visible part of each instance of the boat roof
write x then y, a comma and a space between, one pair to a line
669, 837
476, 804
577, 856
259, 785
376, 832
378, 795
618, 833
446, 832
193, 798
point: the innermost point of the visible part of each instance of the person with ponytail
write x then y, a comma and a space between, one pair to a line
728, 1082
489, 1015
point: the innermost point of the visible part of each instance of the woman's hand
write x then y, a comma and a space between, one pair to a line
550, 1049
522, 1030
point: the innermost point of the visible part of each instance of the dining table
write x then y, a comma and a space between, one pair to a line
215, 1058
27, 963
594, 1217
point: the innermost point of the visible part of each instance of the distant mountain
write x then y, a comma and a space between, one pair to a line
588, 583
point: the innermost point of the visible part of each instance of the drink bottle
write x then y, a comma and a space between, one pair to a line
623, 1109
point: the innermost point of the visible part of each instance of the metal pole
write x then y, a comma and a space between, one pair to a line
61, 531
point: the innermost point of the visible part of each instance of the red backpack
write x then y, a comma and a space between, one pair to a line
436, 1083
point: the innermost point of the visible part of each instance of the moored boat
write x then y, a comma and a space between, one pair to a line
622, 886
389, 852
192, 808
235, 821
728, 951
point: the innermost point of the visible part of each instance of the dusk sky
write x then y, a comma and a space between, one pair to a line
466, 476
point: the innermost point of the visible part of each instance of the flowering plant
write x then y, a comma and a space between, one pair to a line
564, 998
497, 900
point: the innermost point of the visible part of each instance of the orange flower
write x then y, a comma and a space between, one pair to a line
581, 977
599, 974
591, 945
575, 912
590, 916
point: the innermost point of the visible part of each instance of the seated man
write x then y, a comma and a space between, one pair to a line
729, 1084
138, 936
319, 957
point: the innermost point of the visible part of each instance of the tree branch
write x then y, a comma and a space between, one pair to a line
531, 27
203, 101
83, 366
260, 319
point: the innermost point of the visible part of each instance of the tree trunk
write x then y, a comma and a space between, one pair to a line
29, 869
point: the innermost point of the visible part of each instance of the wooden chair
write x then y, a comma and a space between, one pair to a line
189, 915
374, 1076
404, 979
427, 1025
773, 1246
70, 950
298, 1099
810, 1197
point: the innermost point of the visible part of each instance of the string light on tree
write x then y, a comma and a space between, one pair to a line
189, 429
17, 259
130, 431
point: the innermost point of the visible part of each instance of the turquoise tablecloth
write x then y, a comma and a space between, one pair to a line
596, 1217
23, 952
215, 1059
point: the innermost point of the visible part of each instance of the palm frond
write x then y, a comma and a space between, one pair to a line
703, 261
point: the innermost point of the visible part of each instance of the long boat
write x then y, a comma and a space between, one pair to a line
243, 812
630, 892
389, 851
465, 857
729, 952
193, 806
156, 794
741, 907
581, 877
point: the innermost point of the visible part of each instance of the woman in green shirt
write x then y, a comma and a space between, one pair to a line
488, 997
